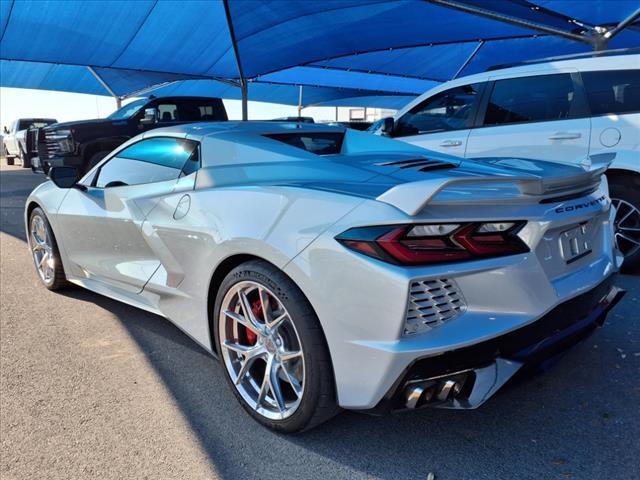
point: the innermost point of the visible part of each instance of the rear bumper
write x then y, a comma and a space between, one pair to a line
465, 378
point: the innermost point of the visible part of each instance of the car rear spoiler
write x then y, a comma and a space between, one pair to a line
413, 197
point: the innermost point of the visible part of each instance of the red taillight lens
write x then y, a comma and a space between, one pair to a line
432, 244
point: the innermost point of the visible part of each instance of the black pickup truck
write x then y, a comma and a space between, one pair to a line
84, 143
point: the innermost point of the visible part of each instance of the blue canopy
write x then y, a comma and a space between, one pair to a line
379, 51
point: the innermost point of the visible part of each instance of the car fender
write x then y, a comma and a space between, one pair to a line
272, 223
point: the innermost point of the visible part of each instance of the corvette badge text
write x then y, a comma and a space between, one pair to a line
578, 206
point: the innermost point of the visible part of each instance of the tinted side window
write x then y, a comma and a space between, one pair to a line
448, 110
612, 92
531, 99
167, 112
154, 160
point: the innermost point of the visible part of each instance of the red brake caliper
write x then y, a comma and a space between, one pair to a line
256, 308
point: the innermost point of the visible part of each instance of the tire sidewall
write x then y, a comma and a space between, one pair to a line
55, 281
629, 191
306, 324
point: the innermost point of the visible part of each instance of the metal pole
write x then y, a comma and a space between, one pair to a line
243, 81
466, 62
622, 25
300, 102
245, 99
106, 87
512, 20
336, 114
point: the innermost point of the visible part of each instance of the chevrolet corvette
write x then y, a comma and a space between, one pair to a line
330, 269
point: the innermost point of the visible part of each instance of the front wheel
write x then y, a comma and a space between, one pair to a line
625, 196
25, 161
273, 349
44, 250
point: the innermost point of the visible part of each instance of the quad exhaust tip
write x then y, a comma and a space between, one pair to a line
433, 391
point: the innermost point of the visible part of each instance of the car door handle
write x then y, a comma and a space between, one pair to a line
451, 143
565, 136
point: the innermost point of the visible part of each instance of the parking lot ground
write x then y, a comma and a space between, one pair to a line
91, 388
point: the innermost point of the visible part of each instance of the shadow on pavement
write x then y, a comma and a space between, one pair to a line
578, 420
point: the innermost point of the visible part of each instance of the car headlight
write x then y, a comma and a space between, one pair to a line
65, 141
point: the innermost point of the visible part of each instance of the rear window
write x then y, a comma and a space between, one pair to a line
25, 124
615, 91
320, 143
531, 99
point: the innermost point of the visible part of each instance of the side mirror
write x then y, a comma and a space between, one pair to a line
388, 126
150, 116
63, 177
5, 130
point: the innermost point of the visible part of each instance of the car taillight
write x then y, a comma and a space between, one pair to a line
426, 244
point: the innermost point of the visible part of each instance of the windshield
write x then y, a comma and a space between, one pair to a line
129, 110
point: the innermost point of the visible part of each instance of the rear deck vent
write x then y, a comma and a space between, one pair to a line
420, 164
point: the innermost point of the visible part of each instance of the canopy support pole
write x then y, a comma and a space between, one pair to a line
482, 12
241, 77
468, 60
300, 102
622, 25
106, 87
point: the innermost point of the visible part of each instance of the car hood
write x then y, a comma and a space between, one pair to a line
80, 124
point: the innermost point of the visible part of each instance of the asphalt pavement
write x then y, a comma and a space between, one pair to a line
91, 388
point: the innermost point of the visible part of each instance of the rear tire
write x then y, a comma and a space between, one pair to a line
625, 196
305, 382
44, 249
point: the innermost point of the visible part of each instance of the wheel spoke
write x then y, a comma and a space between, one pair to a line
265, 386
628, 239
276, 389
627, 215
293, 381
248, 312
277, 321
43, 259
265, 304
290, 355
629, 229
243, 350
246, 365
241, 320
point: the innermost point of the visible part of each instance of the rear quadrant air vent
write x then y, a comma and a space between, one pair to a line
420, 164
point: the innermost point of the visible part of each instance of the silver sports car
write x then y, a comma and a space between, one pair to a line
328, 268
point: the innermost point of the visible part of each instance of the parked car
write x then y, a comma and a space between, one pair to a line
83, 144
15, 139
294, 119
356, 125
331, 268
562, 110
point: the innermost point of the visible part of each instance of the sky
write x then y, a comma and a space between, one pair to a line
25, 103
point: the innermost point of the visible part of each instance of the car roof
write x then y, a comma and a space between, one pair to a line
597, 63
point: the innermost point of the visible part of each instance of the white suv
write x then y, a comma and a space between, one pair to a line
560, 110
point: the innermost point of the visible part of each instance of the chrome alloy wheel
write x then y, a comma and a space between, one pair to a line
261, 350
42, 249
627, 227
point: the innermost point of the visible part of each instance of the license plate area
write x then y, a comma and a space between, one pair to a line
576, 243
